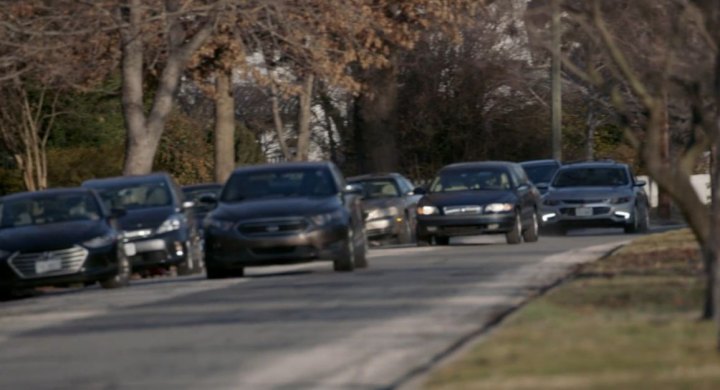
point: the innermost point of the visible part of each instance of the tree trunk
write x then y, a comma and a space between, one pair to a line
277, 121
304, 118
224, 126
664, 199
590, 136
376, 122
144, 132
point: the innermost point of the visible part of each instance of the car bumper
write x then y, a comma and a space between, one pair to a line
383, 227
160, 250
600, 215
228, 249
445, 226
98, 264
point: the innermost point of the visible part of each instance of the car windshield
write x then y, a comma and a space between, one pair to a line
136, 195
540, 173
471, 180
591, 177
379, 188
281, 183
56, 208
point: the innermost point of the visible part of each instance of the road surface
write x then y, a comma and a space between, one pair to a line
297, 327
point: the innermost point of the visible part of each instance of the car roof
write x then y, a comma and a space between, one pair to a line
377, 175
46, 193
479, 164
540, 162
284, 166
203, 186
594, 164
126, 179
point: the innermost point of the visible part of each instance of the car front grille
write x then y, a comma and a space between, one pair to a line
462, 210
71, 260
596, 211
273, 227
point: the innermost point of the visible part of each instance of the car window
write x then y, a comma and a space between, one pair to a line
136, 195
471, 179
591, 177
379, 188
540, 173
50, 209
268, 184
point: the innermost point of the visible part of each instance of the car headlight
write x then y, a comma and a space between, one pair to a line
326, 218
173, 223
383, 212
551, 202
620, 200
428, 210
100, 241
219, 224
499, 207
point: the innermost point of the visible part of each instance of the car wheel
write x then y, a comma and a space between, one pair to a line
188, 266
442, 241
424, 241
405, 235
345, 262
634, 225
514, 236
361, 253
531, 234
644, 224
122, 278
6, 293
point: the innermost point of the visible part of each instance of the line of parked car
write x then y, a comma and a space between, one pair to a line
108, 229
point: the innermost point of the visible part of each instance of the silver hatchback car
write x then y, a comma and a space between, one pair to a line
595, 194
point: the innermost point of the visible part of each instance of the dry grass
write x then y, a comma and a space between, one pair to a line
629, 321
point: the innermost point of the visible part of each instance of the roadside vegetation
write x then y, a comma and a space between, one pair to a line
630, 320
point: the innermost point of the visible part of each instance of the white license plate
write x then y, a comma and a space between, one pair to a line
584, 212
130, 249
46, 266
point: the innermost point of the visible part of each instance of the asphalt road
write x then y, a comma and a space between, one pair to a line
282, 327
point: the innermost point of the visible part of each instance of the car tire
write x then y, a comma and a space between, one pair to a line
6, 294
191, 265
443, 241
644, 225
531, 234
639, 221
405, 235
122, 278
345, 262
514, 236
361, 253
212, 272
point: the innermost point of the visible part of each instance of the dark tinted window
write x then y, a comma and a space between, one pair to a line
269, 184
136, 195
472, 179
51, 209
379, 188
541, 173
591, 177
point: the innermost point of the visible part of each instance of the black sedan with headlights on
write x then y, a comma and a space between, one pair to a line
60, 237
389, 204
282, 214
492, 197
158, 222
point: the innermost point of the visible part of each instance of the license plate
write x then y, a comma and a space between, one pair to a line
46, 266
583, 211
130, 249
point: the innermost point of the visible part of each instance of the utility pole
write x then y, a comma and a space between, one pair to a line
556, 84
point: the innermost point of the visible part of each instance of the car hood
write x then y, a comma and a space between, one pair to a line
463, 198
380, 203
41, 238
587, 193
149, 218
275, 208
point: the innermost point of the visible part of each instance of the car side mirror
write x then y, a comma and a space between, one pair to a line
188, 204
117, 213
353, 189
640, 183
419, 191
523, 187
